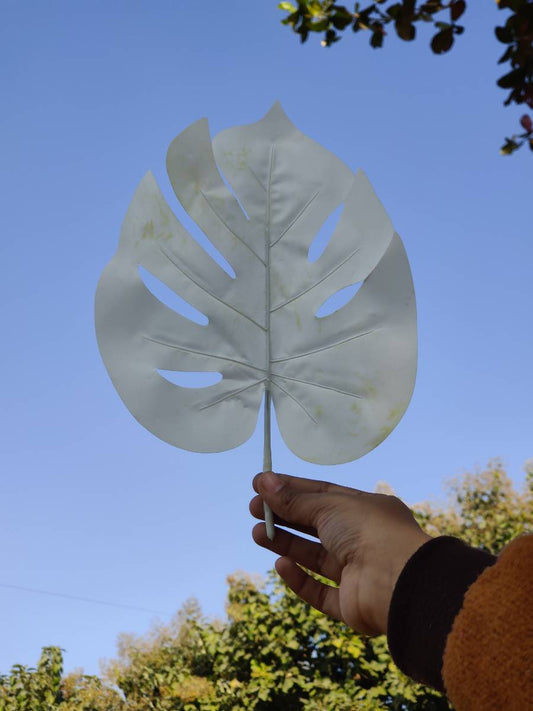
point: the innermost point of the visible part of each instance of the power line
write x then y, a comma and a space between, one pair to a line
82, 599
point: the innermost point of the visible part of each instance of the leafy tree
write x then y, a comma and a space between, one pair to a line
484, 509
27, 689
273, 651
44, 688
80, 692
331, 19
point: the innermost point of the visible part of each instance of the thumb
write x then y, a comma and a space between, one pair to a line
288, 503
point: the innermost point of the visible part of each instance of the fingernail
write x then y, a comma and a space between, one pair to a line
271, 482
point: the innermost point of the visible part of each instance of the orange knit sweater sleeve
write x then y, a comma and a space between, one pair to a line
461, 620
488, 658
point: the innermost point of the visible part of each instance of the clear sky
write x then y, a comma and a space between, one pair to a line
91, 504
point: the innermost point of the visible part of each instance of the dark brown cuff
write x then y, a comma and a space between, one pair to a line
428, 595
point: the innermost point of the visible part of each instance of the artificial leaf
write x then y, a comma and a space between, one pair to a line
339, 384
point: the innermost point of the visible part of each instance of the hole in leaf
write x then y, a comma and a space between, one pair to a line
337, 300
204, 242
319, 244
232, 191
191, 379
168, 297
196, 233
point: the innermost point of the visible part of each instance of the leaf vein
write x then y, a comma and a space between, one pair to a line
208, 291
305, 291
237, 236
203, 353
295, 400
324, 348
231, 394
304, 208
318, 385
258, 181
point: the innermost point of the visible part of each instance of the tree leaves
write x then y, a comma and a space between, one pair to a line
517, 34
457, 9
526, 123
513, 144
443, 40
273, 651
339, 384
331, 18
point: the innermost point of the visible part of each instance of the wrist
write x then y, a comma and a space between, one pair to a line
409, 545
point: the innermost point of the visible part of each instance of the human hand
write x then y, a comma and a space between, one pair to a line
364, 542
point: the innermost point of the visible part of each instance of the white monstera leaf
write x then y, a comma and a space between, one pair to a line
339, 384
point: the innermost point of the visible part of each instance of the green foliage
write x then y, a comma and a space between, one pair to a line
44, 688
273, 651
330, 19
88, 693
517, 34
484, 510
27, 689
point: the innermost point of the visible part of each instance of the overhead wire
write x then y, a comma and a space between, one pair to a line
83, 599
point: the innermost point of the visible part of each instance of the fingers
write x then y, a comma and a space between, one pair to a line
301, 503
310, 554
309, 486
257, 510
291, 504
320, 596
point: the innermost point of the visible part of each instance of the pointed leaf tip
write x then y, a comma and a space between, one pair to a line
276, 114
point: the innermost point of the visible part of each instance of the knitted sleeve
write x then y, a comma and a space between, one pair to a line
461, 620
488, 658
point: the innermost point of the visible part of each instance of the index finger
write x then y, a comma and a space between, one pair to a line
309, 486
257, 509
292, 504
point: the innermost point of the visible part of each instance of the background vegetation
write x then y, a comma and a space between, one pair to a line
273, 651
331, 19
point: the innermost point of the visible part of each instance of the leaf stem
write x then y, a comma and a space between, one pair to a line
267, 448
267, 463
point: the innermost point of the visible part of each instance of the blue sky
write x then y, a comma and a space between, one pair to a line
91, 504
